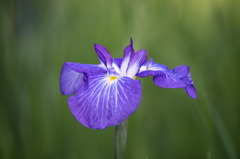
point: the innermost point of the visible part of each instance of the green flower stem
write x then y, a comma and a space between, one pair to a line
120, 139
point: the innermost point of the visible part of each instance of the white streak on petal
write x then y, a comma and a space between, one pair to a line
124, 65
106, 104
116, 68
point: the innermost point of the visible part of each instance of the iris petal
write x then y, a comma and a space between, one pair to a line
104, 56
179, 77
70, 80
106, 103
73, 75
136, 62
116, 65
168, 80
128, 54
118, 61
191, 91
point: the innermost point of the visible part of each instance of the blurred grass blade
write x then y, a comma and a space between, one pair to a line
120, 139
222, 131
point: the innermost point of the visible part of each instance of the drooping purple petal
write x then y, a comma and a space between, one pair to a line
136, 62
104, 56
70, 80
73, 75
128, 54
183, 73
107, 102
179, 77
151, 68
191, 91
168, 80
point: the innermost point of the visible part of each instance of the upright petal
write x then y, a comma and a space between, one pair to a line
104, 56
136, 62
117, 64
128, 54
73, 75
118, 61
107, 102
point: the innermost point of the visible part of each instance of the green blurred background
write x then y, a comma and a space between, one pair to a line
38, 36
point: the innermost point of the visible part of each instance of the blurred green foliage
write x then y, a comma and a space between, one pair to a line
37, 37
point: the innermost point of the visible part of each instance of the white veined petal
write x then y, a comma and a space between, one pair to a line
106, 102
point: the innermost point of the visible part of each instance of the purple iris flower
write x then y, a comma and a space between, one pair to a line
106, 94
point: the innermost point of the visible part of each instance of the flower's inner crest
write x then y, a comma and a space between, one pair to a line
112, 78
135, 77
